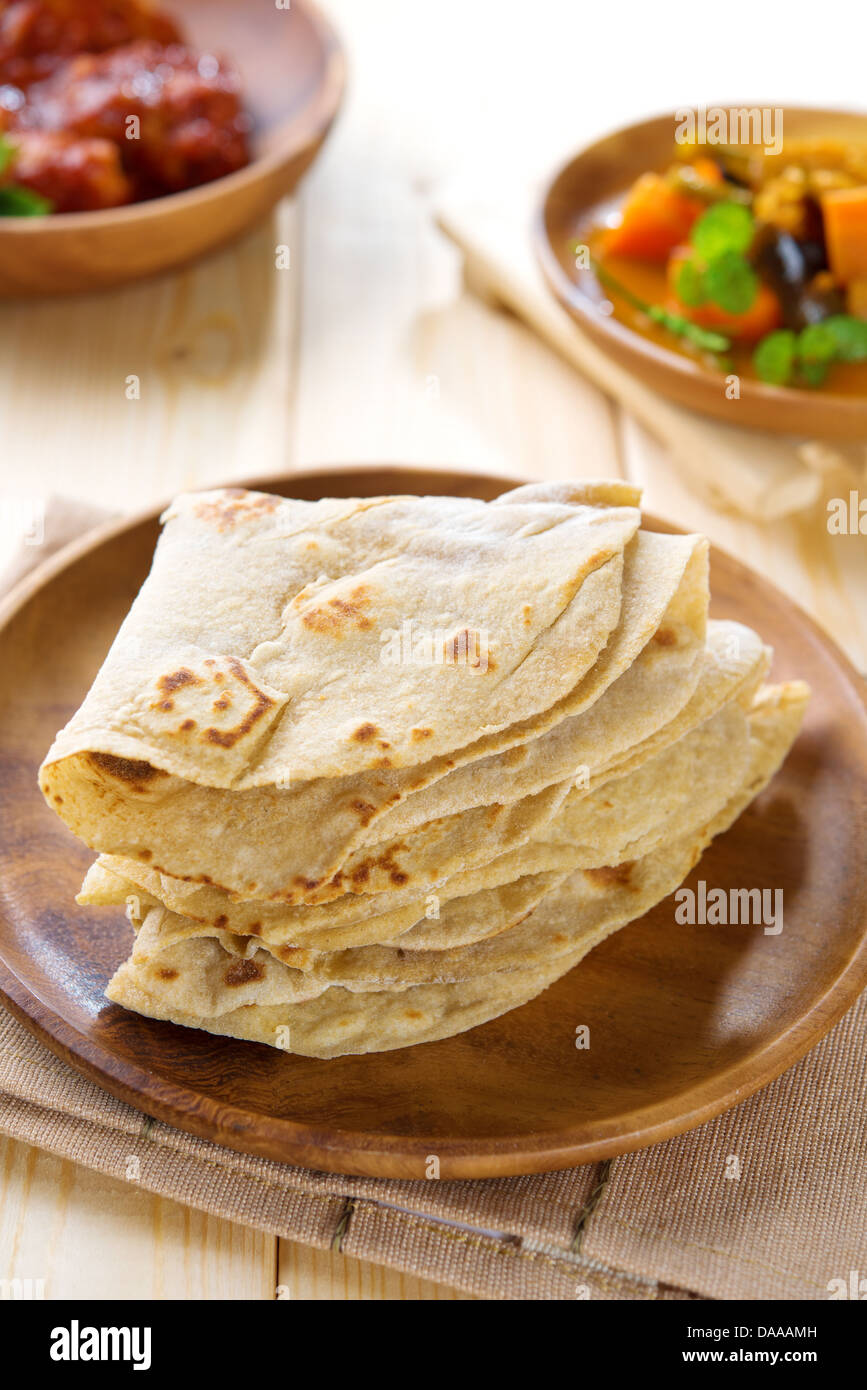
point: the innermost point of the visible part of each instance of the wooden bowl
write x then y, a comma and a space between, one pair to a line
685, 1021
293, 72
574, 201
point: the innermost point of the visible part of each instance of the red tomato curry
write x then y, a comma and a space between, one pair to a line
102, 103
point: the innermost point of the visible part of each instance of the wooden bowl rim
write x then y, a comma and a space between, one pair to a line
610, 331
309, 125
367, 1153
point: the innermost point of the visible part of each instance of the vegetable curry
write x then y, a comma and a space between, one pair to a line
752, 262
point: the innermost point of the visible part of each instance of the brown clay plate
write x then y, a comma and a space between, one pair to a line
578, 197
292, 68
684, 1021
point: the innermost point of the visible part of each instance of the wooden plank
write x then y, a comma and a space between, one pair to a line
92, 1237
212, 349
397, 364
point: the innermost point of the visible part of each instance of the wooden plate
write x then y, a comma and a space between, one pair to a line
292, 68
598, 176
684, 1021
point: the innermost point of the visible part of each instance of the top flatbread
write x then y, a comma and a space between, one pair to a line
282, 839
267, 644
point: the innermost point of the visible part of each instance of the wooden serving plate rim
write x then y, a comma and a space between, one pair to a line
612, 335
367, 1153
309, 126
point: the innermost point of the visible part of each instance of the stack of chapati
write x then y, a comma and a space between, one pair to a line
370, 772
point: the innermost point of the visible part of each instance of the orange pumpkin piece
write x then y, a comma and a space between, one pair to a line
656, 218
844, 215
707, 170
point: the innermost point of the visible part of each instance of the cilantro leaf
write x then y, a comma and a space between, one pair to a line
731, 282
809, 355
722, 228
850, 336
16, 201
774, 358
690, 284
817, 349
22, 202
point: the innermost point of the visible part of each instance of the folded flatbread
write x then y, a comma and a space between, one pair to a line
733, 664
674, 791
184, 983
369, 772
304, 831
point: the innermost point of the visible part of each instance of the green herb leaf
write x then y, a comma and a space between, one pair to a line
774, 358
817, 349
850, 335
814, 373
731, 282
21, 202
16, 201
812, 352
690, 284
724, 227
703, 338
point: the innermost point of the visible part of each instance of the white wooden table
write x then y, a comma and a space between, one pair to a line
368, 349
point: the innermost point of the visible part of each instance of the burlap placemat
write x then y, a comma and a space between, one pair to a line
766, 1201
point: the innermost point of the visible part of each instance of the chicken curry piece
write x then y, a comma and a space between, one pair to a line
103, 103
